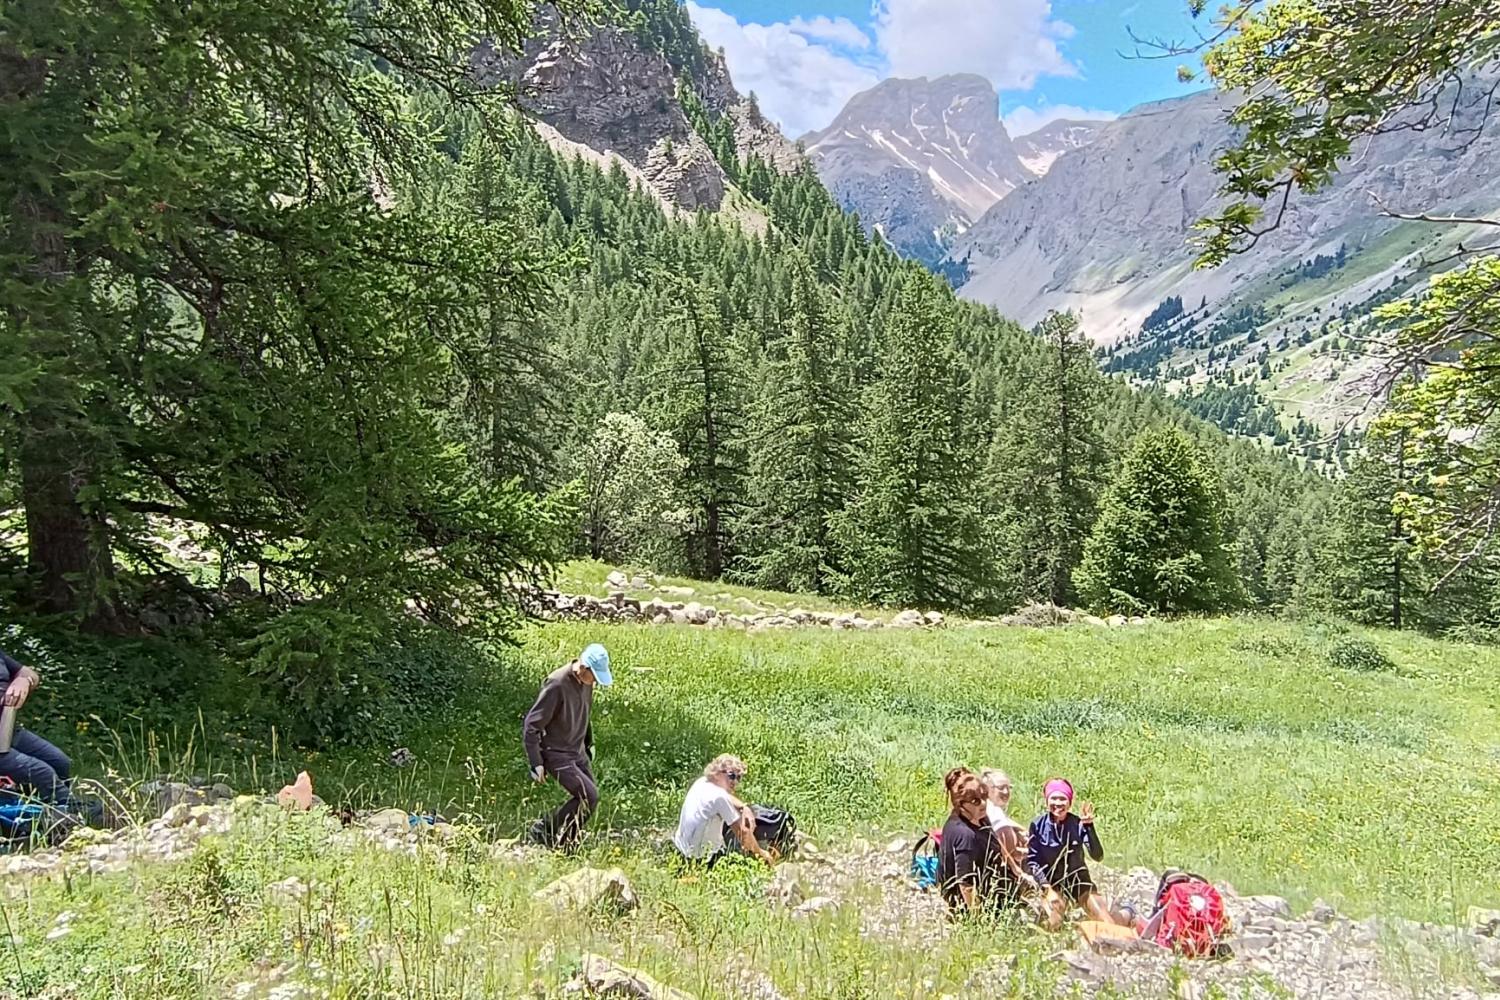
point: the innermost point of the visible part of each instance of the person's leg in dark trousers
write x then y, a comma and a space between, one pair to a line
577, 779
38, 767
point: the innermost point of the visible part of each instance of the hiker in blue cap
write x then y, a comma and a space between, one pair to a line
559, 743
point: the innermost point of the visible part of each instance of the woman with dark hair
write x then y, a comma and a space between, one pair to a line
972, 874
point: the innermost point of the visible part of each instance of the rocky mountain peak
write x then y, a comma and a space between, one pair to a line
922, 159
1039, 150
603, 95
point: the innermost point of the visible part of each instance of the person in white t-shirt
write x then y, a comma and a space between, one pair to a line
711, 806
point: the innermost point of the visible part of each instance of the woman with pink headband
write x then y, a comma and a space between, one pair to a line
1054, 856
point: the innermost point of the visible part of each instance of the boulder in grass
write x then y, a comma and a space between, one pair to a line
1485, 923
387, 821
297, 795
603, 978
908, 619
591, 889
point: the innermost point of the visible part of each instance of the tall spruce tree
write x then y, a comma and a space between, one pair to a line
799, 446
1162, 539
1047, 464
702, 401
1371, 566
222, 309
911, 535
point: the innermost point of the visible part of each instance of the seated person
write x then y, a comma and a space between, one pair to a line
710, 807
36, 766
972, 874
1054, 856
1010, 834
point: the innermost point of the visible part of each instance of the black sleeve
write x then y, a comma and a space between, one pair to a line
1090, 837
8, 668
1035, 864
965, 850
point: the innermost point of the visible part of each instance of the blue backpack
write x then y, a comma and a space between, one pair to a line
924, 859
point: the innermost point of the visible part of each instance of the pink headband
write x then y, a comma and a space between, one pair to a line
1057, 786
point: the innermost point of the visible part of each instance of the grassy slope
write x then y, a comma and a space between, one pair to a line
1226, 745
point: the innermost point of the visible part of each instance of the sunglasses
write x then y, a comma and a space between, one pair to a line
733, 775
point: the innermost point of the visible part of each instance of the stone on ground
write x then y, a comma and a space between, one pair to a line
589, 889
604, 978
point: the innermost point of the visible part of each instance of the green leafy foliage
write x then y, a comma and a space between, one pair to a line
238, 317
1047, 464
1161, 542
1352, 652
911, 533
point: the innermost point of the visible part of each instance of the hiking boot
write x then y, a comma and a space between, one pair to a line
538, 834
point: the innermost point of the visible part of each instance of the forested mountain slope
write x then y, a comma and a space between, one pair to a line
1106, 232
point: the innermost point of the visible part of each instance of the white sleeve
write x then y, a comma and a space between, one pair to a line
728, 811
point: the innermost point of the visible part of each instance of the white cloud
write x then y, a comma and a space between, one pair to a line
1012, 42
839, 31
1023, 120
800, 84
805, 70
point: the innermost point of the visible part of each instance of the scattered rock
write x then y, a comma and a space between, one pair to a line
908, 619
787, 887
297, 795
1272, 905
816, 904
387, 821
616, 581
291, 887
1484, 922
601, 977
589, 889
1322, 913
402, 757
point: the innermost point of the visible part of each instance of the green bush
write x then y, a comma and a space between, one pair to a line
1352, 652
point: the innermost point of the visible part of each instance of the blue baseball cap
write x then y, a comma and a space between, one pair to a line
596, 658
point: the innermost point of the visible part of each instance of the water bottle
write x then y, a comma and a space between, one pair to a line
7, 728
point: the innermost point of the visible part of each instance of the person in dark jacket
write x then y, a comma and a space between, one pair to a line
1054, 856
36, 766
972, 874
559, 739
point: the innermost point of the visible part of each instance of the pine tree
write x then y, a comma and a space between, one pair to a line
1161, 542
1046, 464
213, 314
701, 402
1370, 562
911, 534
799, 452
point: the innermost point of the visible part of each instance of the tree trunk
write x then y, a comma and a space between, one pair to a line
68, 550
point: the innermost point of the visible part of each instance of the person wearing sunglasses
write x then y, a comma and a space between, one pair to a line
710, 808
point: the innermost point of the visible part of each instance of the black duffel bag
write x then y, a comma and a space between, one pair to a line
775, 831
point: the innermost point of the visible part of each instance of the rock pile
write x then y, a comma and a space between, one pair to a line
1044, 615
617, 607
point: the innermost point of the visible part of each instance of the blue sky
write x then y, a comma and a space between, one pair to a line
1048, 58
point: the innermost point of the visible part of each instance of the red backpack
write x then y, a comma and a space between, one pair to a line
1192, 915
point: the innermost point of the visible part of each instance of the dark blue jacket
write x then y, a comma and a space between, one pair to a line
9, 668
1055, 850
